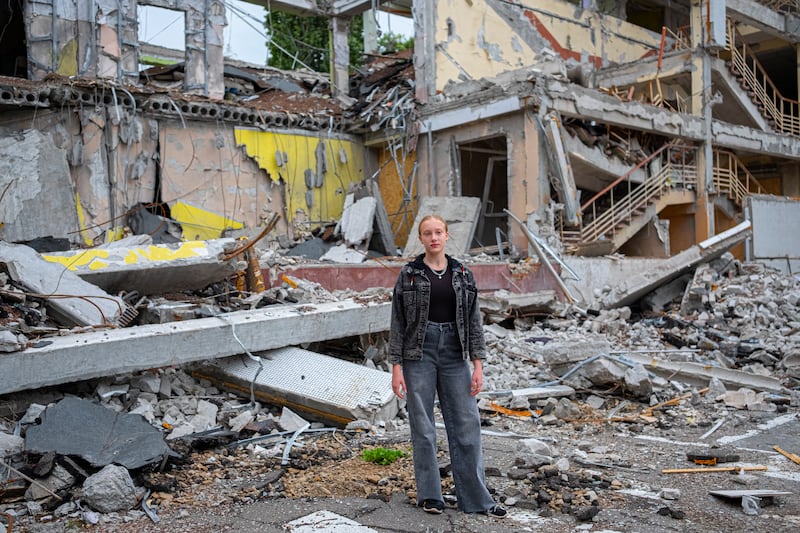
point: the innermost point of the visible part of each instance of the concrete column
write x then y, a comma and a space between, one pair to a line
205, 21
370, 32
700, 106
340, 55
424, 12
790, 180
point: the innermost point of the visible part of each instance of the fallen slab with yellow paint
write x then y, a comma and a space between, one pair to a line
154, 268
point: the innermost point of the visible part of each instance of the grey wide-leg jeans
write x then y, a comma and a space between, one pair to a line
442, 370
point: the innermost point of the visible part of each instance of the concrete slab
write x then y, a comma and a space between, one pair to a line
103, 353
97, 434
700, 374
70, 300
314, 385
461, 214
632, 289
153, 268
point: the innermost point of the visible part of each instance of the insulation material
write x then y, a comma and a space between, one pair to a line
286, 157
315, 385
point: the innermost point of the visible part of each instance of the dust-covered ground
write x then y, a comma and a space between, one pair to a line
604, 476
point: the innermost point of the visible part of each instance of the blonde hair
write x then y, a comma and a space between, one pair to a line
431, 217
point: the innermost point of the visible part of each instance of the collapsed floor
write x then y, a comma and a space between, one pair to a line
583, 412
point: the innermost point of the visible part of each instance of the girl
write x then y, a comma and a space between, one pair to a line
436, 330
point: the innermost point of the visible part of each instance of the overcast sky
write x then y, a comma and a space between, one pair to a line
245, 37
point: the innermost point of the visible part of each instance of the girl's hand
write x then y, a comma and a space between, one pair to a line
398, 381
477, 378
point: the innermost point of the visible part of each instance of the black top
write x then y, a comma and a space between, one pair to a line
443, 296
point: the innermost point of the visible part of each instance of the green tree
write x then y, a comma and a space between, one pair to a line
296, 41
390, 43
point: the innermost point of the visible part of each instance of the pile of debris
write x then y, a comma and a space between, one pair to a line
205, 434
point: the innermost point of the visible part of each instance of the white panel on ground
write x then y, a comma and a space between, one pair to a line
315, 385
326, 521
461, 214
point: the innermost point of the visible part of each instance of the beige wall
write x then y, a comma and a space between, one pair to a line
482, 38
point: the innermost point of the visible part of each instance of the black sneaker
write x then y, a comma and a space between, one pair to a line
433, 506
496, 511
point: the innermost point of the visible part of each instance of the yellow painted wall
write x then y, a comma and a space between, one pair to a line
201, 224
345, 166
210, 183
472, 37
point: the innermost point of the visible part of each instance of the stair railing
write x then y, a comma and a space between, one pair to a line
732, 178
788, 6
782, 112
623, 199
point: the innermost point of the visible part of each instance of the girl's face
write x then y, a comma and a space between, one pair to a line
433, 235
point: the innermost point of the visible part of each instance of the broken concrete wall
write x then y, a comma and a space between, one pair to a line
88, 39
599, 275
210, 183
93, 165
36, 190
205, 23
315, 171
99, 38
528, 189
486, 37
779, 249
114, 155
650, 241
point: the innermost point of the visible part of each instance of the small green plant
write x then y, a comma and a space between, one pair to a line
382, 456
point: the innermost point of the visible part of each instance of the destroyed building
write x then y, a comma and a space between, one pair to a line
640, 128
617, 147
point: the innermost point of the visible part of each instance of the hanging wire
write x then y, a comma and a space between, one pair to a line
262, 32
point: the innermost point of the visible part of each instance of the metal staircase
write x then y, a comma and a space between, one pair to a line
615, 214
781, 112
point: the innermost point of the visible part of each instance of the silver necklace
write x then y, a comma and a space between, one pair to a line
439, 273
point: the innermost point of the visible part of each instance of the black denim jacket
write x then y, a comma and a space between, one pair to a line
410, 304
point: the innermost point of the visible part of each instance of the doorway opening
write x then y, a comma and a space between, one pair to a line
484, 175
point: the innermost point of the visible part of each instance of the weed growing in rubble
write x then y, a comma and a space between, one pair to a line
382, 456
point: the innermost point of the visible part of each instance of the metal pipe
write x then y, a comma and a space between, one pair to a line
542, 257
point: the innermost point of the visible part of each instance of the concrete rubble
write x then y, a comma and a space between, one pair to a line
728, 344
169, 342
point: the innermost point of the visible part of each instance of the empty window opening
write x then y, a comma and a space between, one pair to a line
162, 36
14, 59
